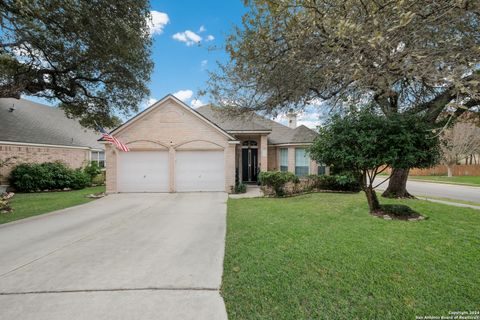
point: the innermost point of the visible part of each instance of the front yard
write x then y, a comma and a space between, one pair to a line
322, 256
32, 204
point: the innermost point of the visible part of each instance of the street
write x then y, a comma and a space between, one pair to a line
439, 190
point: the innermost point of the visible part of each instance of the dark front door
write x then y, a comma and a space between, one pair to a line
249, 165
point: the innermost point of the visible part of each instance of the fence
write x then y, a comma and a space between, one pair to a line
441, 170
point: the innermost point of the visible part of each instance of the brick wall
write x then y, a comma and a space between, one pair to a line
74, 158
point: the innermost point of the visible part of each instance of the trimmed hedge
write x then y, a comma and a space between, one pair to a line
336, 183
286, 183
31, 177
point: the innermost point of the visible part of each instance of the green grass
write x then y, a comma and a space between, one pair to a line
462, 180
322, 256
32, 204
450, 200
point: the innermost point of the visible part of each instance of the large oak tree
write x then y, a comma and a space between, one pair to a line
406, 57
92, 56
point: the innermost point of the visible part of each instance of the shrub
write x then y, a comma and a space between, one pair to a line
31, 177
277, 180
99, 179
92, 170
335, 183
80, 179
240, 188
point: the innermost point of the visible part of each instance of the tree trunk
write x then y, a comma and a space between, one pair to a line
450, 171
397, 185
372, 199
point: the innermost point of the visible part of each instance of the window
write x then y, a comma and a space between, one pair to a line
321, 169
283, 159
99, 157
302, 162
249, 143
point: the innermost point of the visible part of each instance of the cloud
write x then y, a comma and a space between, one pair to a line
187, 97
209, 38
147, 103
203, 64
158, 21
184, 95
202, 29
188, 37
195, 103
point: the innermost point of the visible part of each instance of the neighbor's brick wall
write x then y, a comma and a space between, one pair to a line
74, 158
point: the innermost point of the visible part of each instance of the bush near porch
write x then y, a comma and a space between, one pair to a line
281, 184
323, 256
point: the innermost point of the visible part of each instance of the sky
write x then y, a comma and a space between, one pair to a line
188, 40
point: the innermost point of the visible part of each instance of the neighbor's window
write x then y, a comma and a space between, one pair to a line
283, 159
302, 162
99, 157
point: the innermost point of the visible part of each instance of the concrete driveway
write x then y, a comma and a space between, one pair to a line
126, 256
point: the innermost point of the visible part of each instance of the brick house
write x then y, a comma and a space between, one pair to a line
175, 148
35, 133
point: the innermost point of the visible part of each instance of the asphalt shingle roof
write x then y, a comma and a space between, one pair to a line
33, 122
279, 134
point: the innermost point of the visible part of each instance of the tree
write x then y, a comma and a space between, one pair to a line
365, 142
409, 57
92, 56
458, 142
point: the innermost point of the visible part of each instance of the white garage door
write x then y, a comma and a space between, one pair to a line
143, 171
199, 171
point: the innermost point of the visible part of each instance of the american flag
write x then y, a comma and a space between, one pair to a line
108, 137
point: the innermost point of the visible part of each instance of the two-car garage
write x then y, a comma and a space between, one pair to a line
149, 171
173, 148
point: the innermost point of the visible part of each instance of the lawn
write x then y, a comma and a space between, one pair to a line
322, 256
32, 204
463, 180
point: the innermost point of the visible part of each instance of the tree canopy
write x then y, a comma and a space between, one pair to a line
405, 57
365, 142
92, 56
415, 56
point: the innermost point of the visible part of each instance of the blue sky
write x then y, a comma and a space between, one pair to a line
188, 39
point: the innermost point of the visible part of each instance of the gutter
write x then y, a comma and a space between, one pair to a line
48, 145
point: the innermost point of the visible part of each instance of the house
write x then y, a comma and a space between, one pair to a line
31, 132
175, 148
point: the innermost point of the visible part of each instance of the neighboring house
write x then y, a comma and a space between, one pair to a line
175, 148
34, 133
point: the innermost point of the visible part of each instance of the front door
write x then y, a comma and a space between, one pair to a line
249, 165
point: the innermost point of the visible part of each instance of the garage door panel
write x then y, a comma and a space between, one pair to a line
143, 171
200, 171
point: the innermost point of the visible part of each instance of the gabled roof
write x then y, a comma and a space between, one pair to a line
32, 122
182, 104
279, 134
